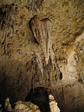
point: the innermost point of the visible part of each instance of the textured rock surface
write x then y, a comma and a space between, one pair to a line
30, 107
53, 104
26, 107
22, 60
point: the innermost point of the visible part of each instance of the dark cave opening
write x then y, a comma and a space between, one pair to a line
61, 76
40, 97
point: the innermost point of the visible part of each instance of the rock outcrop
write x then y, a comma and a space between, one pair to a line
49, 53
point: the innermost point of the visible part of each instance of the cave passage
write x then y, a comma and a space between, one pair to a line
40, 97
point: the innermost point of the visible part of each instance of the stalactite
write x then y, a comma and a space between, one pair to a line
41, 30
39, 61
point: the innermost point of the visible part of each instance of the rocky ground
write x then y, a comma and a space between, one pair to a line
21, 106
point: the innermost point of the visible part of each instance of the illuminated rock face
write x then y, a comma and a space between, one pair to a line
38, 100
53, 104
25, 64
28, 107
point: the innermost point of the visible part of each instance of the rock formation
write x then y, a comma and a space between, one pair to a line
49, 53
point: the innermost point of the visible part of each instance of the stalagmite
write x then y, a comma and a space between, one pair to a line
8, 106
53, 104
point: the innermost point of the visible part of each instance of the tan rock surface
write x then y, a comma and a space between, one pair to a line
21, 56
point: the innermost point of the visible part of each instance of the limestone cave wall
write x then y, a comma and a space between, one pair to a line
42, 44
